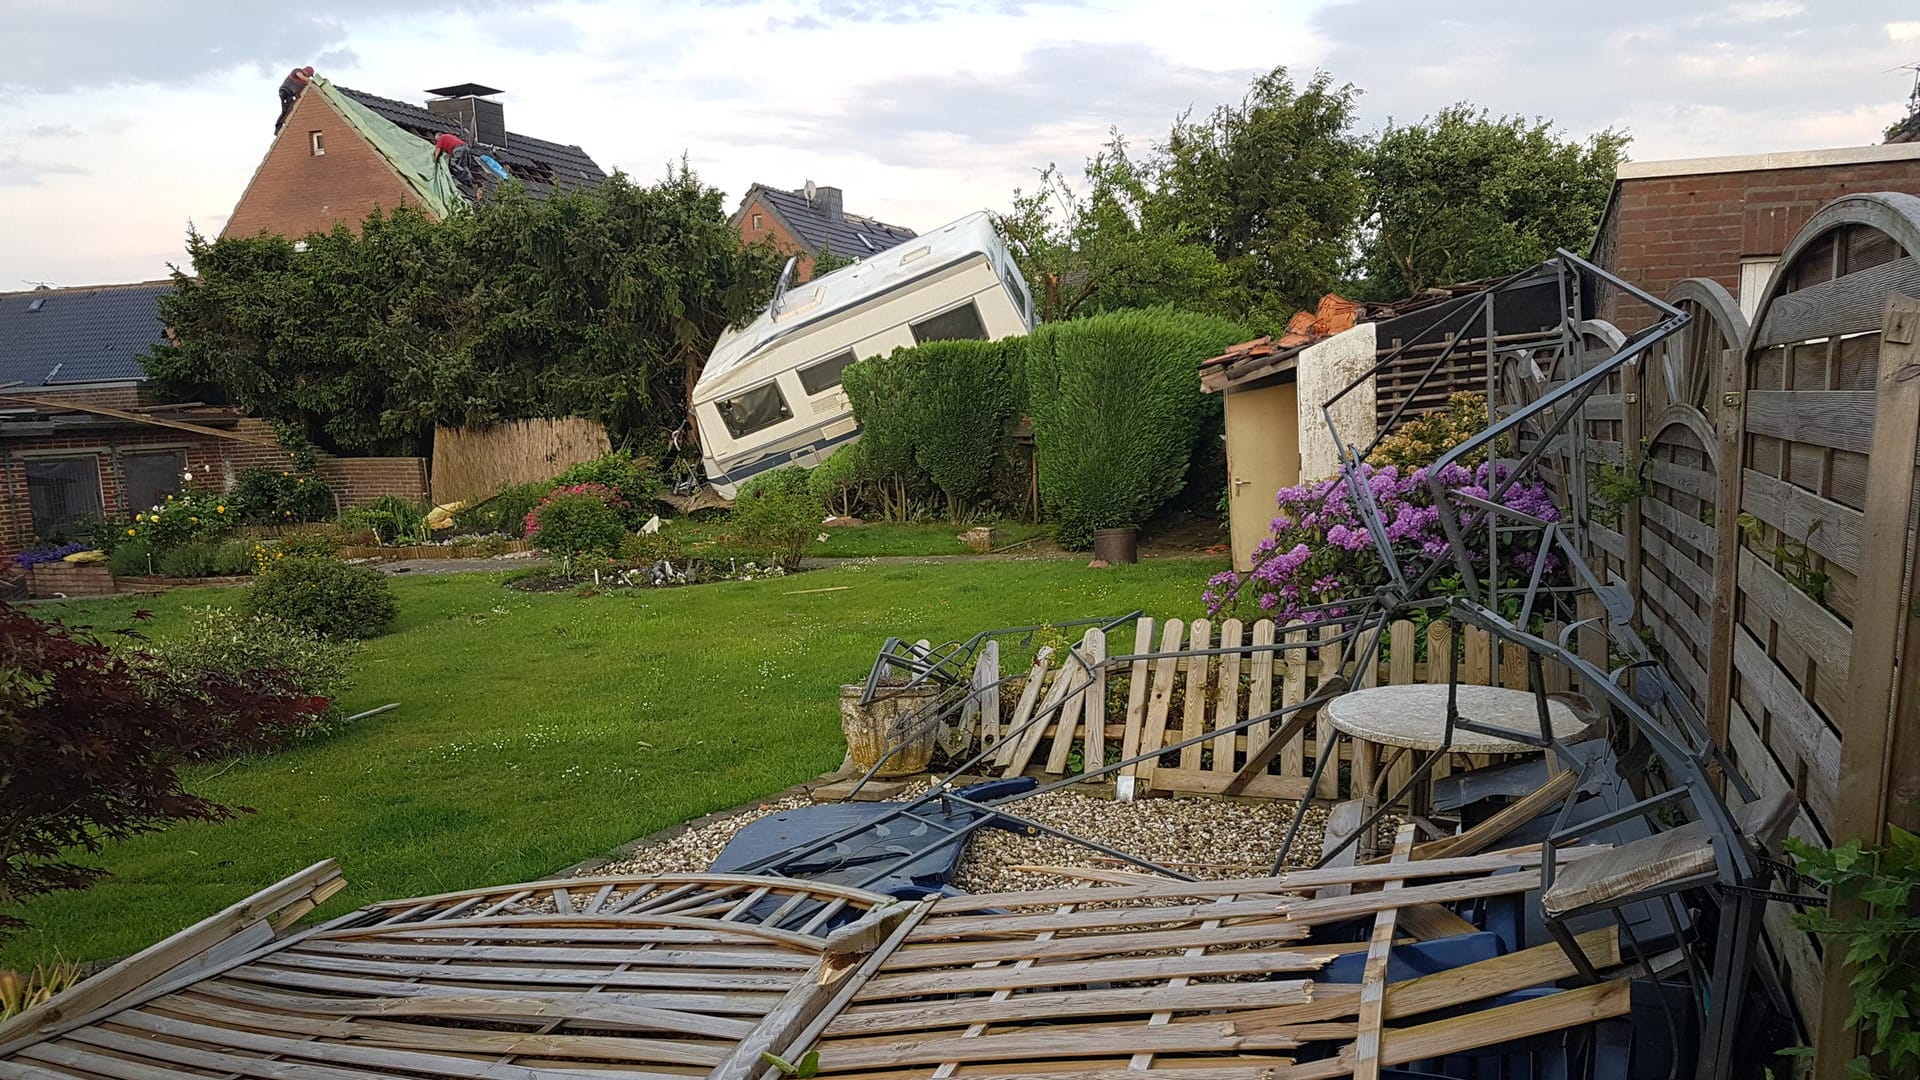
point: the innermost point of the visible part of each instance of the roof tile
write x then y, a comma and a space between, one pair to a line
83, 335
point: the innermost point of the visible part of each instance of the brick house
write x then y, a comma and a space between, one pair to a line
82, 435
341, 153
810, 221
1729, 218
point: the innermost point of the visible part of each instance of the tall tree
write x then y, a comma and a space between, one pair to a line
1463, 195
600, 303
1272, 186
1098, 249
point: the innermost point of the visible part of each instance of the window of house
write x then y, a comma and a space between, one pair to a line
62, 492
825, 375
756, 223
757, 409
152, 476
961, 324
318, 143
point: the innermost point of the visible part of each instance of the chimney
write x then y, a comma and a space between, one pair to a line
827, 201
471, 106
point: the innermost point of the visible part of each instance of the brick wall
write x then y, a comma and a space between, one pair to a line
1663, 230
122, 396
215, 464
294, 193
771, 229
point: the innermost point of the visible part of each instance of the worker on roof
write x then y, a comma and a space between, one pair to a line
459, 159
290, 88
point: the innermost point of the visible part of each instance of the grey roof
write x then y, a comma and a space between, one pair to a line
540, 166
850, 234
81, 335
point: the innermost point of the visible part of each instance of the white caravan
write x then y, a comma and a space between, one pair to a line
770, 394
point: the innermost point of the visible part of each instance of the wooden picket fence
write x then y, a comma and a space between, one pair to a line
1173, 694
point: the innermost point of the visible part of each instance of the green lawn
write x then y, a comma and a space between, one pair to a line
538, 730
879, 538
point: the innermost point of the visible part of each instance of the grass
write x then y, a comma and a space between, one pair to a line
538, 730
879, 538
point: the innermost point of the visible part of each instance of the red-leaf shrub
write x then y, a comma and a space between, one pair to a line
91, 746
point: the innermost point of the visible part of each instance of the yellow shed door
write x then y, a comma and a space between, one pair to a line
1263, 456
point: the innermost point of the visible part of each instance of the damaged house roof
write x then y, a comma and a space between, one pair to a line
820, 226
91, 334
542, 167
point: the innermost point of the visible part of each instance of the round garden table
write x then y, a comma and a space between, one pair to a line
1412, 717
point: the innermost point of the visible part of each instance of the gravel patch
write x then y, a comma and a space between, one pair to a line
1207, 838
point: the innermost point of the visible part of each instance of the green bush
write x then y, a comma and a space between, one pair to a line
132, 558
580, 523
233, 558
836, 481
190, 560
880, 391
963, 413
266, 497
326, 596
263, 653
1116, 409
189, 517
391, 519
635, 477
776, 515
505, 512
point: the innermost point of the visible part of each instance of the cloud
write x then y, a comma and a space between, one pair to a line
17, 171
1741, 77
1056, 89
71, 46
53, 131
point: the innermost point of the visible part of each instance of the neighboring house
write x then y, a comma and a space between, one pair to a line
343, 153
81, 436
810, 221
1729, 218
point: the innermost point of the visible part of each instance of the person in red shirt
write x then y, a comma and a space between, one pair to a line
445, 145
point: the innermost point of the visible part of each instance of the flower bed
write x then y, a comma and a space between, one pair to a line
453, 550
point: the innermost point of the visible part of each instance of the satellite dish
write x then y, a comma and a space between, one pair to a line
780, 288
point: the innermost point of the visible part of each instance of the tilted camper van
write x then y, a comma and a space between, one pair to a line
770, 394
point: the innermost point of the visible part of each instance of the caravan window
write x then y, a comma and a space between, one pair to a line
1019, 290
760, 407
825, 375
961, 324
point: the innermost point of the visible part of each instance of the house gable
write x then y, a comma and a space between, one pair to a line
759, 221
296, 191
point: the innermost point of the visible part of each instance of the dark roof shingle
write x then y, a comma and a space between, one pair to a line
849, 234
81, 335
542, 167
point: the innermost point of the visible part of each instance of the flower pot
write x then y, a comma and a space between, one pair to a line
1116, 545
898, 717
69, 579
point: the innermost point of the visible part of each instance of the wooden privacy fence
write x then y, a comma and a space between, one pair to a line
474, 463
1769, 549
1105, 707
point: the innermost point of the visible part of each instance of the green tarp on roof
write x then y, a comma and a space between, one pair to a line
410, 155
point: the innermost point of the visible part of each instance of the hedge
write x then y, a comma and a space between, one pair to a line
1117, 408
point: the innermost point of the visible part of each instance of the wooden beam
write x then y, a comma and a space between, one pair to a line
1508, 818
1373, 978
140, 418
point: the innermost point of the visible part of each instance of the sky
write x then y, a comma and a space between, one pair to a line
122, 122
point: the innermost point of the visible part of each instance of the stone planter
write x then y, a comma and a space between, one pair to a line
979, 540
69, 579
898, 717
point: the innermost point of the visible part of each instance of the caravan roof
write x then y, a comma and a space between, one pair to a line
812, 301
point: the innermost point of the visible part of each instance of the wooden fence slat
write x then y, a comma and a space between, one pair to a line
1010, 741
1331, 660
1093, 754
1260, 683
1226, 710
1193, 721
1293, 692
1165, 670
1136, 696
985, 702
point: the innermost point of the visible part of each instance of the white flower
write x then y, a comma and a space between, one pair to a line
823, 538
